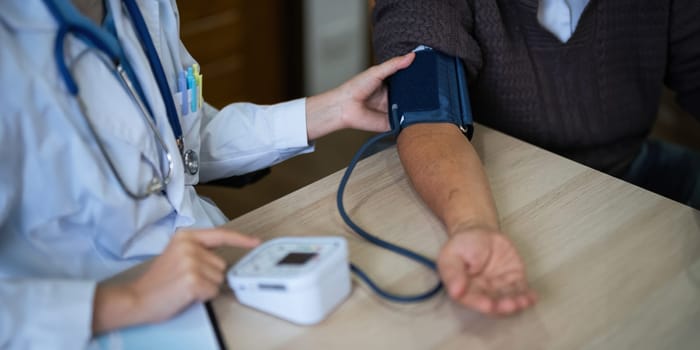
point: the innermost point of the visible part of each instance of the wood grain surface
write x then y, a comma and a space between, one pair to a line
615, 266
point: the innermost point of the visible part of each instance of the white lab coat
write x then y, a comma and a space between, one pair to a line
65, 223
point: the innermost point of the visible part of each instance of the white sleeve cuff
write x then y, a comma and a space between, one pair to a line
289, 124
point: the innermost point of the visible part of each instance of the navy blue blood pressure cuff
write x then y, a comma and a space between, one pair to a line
433, 89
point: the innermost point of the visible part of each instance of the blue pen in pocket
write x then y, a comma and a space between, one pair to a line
193, 87
182, 89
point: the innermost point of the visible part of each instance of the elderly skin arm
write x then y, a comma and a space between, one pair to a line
478, 264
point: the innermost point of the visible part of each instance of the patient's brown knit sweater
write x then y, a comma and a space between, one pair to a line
593, 99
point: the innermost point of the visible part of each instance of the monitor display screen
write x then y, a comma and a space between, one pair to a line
296, 258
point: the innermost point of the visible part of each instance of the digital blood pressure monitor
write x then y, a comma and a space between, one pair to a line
300, 279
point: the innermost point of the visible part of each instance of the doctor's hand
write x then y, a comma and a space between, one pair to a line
482, 271
360, 103
187, 271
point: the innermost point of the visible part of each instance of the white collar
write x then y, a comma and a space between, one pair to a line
560, 17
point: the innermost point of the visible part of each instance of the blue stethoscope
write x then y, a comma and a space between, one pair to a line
106, 44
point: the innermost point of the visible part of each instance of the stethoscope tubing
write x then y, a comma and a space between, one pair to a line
430, 264
72, 22
157, 69
155, 185
109, 52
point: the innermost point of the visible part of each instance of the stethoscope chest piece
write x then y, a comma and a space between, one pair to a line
191, 161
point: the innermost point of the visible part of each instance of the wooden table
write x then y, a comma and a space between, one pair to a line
615, 266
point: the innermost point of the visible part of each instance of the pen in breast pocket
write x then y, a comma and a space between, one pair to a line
182, 89
192, 86
198, 82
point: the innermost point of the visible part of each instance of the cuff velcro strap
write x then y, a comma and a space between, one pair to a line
433, 89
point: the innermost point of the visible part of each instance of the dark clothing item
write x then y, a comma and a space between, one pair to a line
593, 99
664, 168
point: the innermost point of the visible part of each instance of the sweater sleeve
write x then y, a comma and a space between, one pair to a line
399, 26
683, 65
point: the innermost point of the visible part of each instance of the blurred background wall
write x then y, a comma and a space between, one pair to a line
336, 42
268, 51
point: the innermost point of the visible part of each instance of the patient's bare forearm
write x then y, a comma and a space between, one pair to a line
447, 173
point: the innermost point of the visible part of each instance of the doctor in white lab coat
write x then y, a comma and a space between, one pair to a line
66, 223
